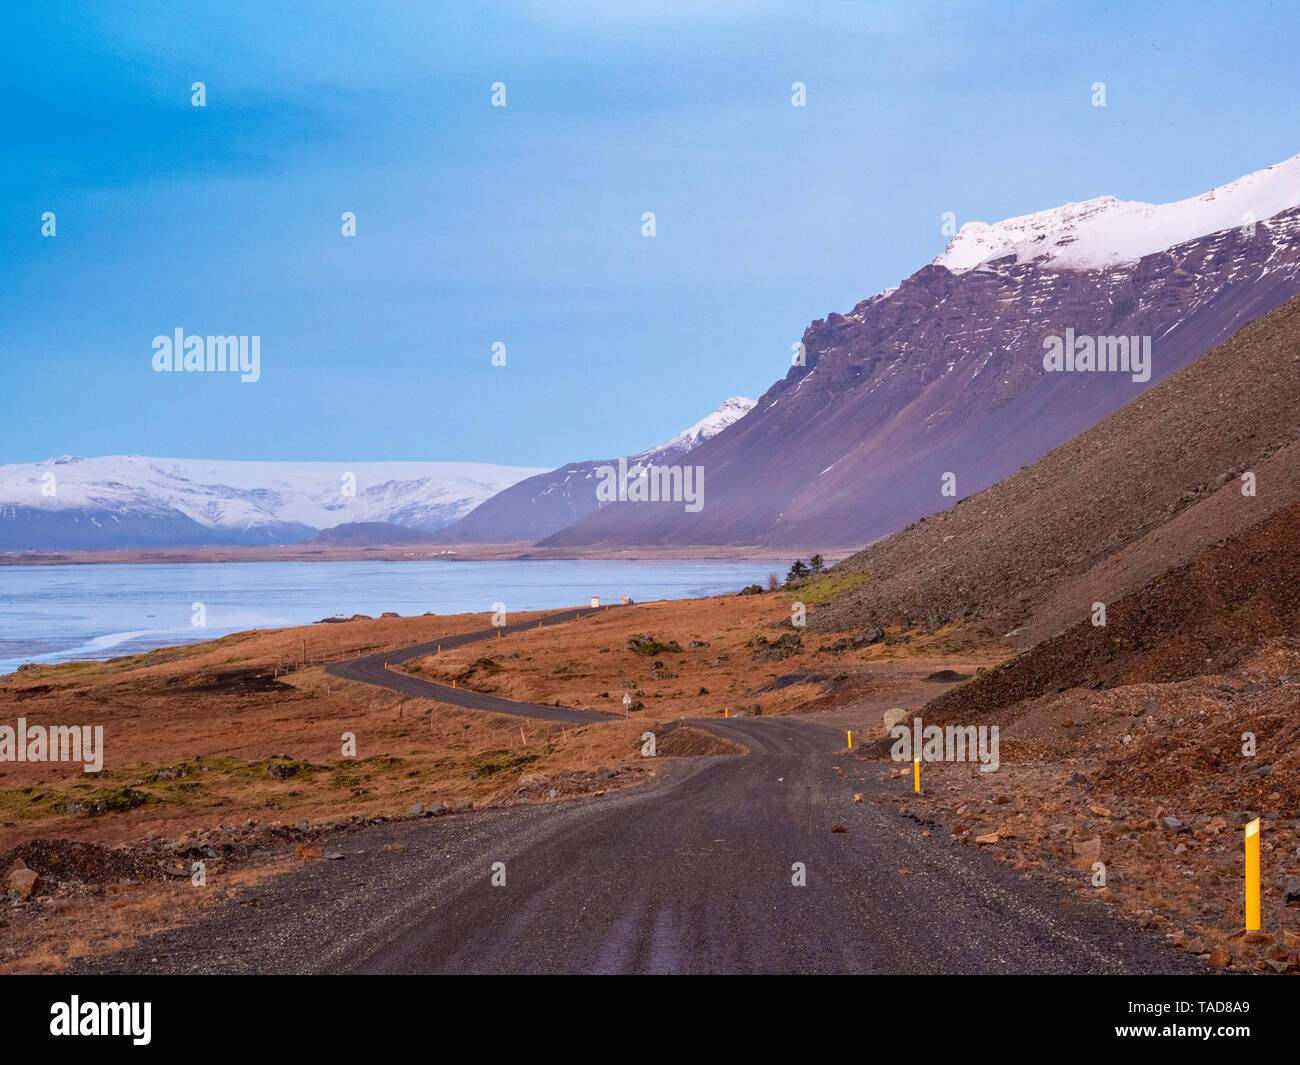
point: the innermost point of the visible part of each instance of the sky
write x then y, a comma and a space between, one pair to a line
522, 225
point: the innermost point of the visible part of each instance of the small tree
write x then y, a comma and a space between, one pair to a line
798, 572
773, 582
817, 563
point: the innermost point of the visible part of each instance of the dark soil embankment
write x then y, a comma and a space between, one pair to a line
1202, 617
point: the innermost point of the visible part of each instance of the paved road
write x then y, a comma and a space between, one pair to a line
692, 873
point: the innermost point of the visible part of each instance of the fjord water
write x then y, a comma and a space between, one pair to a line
62, 613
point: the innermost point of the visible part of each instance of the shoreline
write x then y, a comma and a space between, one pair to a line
509, 552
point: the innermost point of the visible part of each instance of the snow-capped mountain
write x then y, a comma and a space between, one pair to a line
136, 501
545, 504
945, 374
1106, 232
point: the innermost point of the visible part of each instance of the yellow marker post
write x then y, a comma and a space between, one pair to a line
916, 775
850, 739
1252, 876
385, 665
724, 712
453, 683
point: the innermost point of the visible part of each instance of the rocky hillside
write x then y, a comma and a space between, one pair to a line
1144, 489
1205, 616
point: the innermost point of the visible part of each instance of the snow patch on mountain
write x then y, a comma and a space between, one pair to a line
1106, 232
729, 412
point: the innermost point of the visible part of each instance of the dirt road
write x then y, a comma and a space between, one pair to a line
722, 864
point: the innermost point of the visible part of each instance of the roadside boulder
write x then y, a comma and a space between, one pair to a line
22, 881
894, 716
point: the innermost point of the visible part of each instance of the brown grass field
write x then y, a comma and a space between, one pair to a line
237, 742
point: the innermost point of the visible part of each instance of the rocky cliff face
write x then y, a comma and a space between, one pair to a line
945, 374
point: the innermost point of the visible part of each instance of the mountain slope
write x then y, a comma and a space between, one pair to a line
1142, 490
540, 506
1203, 616
945, 373
135, 501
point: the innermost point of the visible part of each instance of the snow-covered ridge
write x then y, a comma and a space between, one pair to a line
1107, 232
730, 411
235, 495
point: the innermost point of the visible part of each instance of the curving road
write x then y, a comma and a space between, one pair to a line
721, 865
372, 669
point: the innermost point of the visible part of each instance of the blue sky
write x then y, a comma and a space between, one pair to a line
523, 224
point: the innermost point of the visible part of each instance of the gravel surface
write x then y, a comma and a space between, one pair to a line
692, 873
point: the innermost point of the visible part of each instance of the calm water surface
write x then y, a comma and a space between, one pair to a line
60, 613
